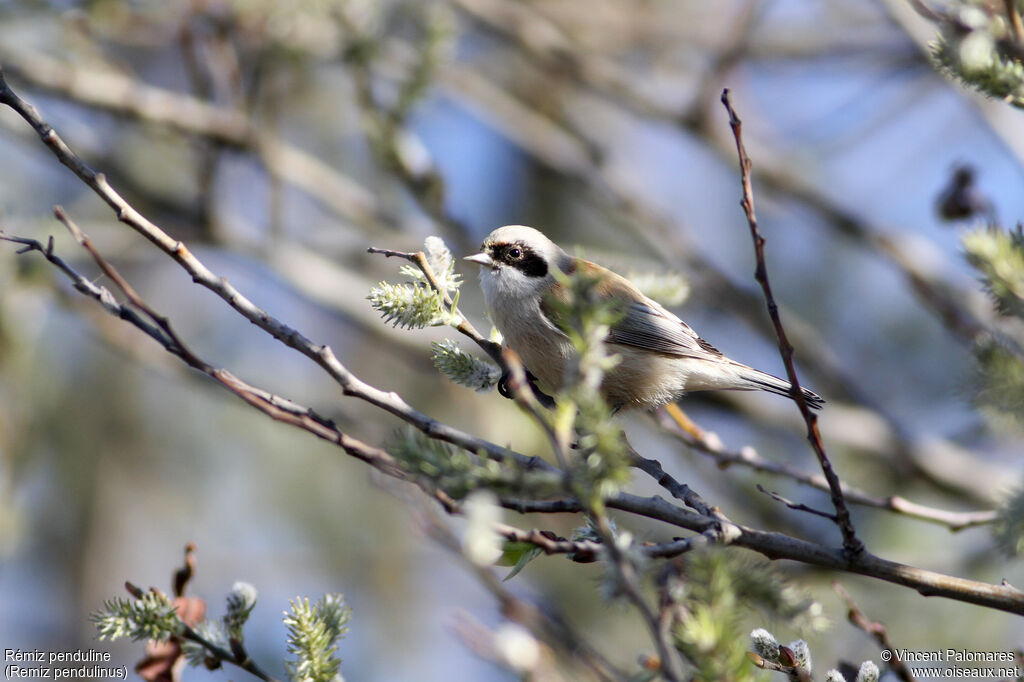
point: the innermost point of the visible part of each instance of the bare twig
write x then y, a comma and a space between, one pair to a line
851, 544
747, 456
221, 654
101, 294
877, 632
796, 506
723, 531
681, 491
780, 546
585, 551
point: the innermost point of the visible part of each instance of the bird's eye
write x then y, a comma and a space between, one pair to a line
515, 253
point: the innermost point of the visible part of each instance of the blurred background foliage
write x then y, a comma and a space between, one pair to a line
279, 140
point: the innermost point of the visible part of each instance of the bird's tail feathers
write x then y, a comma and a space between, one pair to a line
767, 382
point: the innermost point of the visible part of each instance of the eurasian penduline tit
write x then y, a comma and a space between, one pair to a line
661, 358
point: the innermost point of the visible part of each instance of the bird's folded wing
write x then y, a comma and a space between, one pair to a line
655, 329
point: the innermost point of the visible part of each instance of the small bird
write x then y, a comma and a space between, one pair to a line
661, 357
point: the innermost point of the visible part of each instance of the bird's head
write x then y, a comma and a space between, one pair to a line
516, 260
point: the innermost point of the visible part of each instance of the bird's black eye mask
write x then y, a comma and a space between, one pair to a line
519, 256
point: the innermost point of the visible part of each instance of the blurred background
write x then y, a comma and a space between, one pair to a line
280, 140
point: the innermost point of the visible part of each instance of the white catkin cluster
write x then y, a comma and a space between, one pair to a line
151, 616
415, 304
463, 368
410, 306
241, 601
868, 673
765, 644
802, 652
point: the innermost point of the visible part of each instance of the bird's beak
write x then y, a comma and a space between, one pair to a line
480, 259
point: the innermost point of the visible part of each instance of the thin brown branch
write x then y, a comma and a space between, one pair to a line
851, 544
877, 632
101, 294
722, 531
795, 506
585, 551
710, 445
221, 654
133, 297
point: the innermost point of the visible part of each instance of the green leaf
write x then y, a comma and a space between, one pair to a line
517, 555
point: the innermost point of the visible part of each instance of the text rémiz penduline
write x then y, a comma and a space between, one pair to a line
41, 656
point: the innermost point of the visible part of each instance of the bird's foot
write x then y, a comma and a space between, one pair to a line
506, 391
